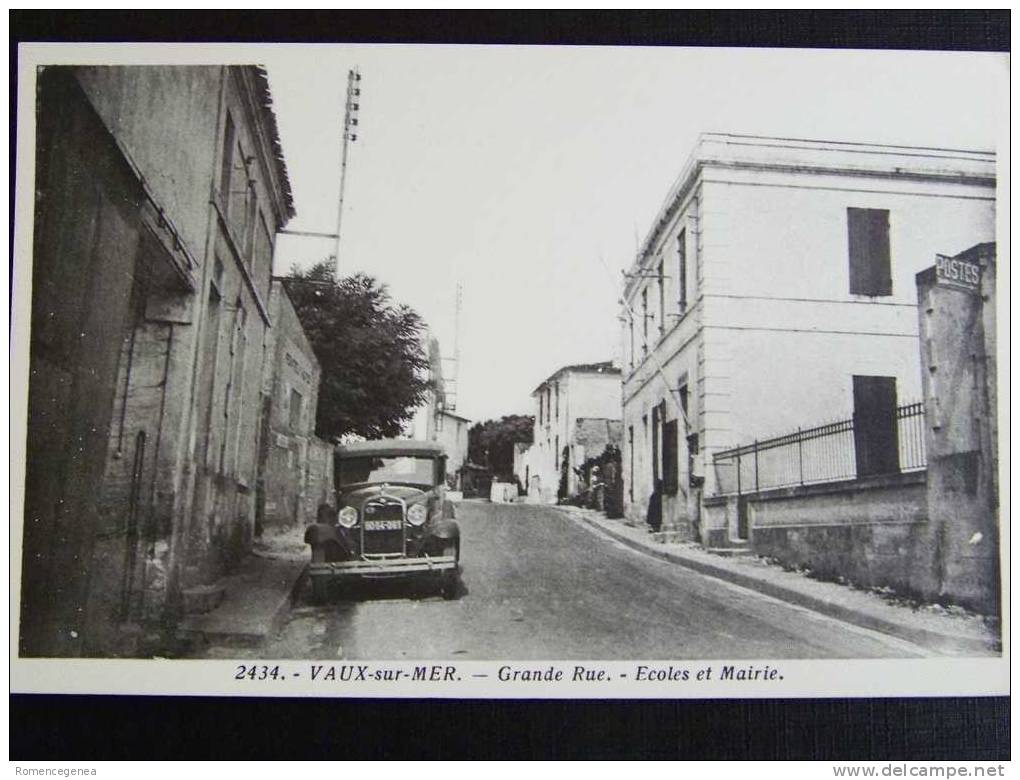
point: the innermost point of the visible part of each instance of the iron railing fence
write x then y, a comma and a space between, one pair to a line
824, 453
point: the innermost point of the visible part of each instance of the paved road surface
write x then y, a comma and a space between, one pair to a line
540, 585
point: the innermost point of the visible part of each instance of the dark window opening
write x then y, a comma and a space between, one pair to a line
630, 449
662, 298
656, 422
870, 265
670, 461
693, 479
227, 163
876, 438
681, 274
644, 319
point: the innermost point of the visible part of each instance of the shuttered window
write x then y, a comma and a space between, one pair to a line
630, 450
870, 267
670, 461
681, 270
662, 298
644, 320
227, 161
876, 437
656, 424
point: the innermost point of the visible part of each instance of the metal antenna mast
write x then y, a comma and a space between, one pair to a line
350, 134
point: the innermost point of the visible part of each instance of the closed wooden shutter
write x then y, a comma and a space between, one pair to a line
655, 443
670, 461
876, 439
870, 268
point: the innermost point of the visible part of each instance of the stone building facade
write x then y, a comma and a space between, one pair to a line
775, 273
569, 406
931, 528
295, 468
159, 192
451, 430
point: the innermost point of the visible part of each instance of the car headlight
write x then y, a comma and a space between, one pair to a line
417, 514
348, 517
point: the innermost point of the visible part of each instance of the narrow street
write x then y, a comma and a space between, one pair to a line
538, 585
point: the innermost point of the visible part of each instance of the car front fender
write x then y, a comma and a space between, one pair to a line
319, 534
446, 530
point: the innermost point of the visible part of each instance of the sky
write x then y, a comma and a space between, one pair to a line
528, 174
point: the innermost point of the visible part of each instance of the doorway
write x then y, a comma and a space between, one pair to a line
876, 439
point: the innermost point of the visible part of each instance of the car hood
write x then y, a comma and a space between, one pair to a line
357, 496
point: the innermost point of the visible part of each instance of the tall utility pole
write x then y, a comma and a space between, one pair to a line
350, 134
456, 347
450, 385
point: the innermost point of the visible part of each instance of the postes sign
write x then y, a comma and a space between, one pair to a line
957, 273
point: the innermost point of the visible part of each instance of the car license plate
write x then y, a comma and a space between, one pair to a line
383, 525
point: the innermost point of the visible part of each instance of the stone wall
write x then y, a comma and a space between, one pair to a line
872, 533
319, 478
291, 481
147, 346
87, 232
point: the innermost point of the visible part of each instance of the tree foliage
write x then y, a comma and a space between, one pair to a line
491, 443
374, 366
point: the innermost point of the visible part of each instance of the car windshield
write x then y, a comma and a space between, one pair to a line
397, 468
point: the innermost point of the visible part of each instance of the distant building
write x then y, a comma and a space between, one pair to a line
295, 468
775, 290
434, 421
522, 467
452, 432
159, 192
572, 409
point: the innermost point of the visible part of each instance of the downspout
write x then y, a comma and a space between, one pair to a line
151, 530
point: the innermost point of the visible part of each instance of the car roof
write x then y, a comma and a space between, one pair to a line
390, 447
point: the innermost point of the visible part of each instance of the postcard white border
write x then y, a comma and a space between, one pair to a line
800, 678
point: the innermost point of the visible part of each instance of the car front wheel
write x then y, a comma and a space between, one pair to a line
450, 585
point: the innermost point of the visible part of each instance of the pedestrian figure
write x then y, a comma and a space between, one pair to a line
655, 507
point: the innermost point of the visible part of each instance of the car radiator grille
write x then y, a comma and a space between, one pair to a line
385, 540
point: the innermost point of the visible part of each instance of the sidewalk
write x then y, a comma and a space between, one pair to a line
943, 631
258, 595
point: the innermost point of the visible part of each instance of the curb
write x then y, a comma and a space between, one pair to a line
204, 627
920, 636
287, 603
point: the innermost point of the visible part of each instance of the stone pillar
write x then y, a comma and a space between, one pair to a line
956, 301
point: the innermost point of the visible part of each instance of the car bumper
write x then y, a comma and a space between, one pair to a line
389, 567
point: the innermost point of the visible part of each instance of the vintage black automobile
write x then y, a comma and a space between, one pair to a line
392, 518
